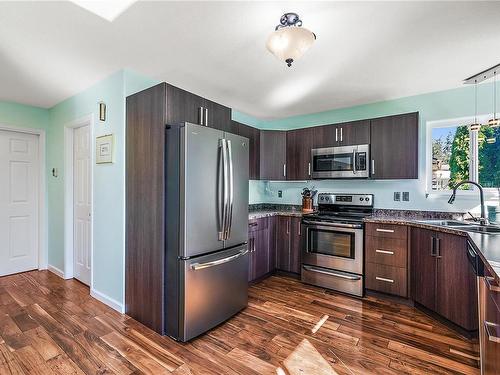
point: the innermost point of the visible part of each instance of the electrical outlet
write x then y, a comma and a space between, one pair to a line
397, 196
406, 196
280, 194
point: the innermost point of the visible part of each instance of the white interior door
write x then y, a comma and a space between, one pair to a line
82, 236
19, 186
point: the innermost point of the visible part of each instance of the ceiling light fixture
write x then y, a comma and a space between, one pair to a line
494, 122
289, 41
107, 9
475, 126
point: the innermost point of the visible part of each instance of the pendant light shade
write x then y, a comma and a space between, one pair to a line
494, 122
290, 41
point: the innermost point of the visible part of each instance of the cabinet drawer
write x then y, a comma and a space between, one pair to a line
387, 230
257, 224
386, 279
388, 251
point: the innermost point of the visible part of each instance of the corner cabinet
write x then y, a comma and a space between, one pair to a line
442, 279
394, 147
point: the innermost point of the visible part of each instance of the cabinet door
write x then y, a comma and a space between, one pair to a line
219, 116
298, 153
183, 106
354, 133
423, 267
251, 255
456, 283
325, 136
253, 136
261, 253
283, 243
394, 147
295, 244
273, 155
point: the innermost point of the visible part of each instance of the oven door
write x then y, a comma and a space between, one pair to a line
334, 246
340, 162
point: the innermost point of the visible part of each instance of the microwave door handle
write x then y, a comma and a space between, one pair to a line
354, 161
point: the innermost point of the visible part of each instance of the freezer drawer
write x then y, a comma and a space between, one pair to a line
215, 288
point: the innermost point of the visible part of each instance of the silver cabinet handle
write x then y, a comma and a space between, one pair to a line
373, 166
200, 115
309, 169
222, 233
385, 230
200, 266
331, 273
284, 170
492, 331
384, 279
205, 122
384, 252
336, 134
341, 137
231, 190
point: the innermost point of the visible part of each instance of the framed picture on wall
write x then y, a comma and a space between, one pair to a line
105, 149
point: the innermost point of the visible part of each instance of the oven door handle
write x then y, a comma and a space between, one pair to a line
339, 225
331, 273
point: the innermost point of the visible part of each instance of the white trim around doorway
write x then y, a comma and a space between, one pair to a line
68, 195
42, 213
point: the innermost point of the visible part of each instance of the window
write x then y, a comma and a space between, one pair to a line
461, 154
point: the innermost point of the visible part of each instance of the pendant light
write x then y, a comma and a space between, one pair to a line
289, 41
475, 126
494, 122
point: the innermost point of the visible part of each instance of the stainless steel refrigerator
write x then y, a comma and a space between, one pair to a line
206, 228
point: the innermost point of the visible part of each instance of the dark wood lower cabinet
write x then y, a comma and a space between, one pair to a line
260, 248
288, 243
442, 278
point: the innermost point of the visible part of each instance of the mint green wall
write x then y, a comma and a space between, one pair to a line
441, 105
19, 115
108, 179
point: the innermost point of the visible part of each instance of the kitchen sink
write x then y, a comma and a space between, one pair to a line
446, 223
489, 229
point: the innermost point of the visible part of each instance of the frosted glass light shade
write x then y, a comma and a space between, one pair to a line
290, 43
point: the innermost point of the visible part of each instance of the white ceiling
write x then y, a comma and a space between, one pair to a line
365, 51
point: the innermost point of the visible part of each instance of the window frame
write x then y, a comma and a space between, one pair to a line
473, 149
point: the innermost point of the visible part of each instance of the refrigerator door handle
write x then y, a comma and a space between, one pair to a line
231, 189
200, 266
222, 232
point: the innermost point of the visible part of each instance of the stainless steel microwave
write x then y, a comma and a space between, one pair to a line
341, 162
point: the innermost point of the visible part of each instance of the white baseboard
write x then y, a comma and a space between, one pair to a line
114, 304
56, 271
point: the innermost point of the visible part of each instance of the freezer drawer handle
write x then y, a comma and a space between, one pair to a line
492, 331
385, 230
200, 266
384, 252
384, 279
330, 273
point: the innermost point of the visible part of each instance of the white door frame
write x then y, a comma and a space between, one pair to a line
68, 195
42, 214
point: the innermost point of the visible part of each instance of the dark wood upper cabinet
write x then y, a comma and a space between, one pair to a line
253, 136
273, 155
442, 279
394, 147
184, 106
298, 153
343, 134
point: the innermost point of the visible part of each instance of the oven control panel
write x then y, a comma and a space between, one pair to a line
363, 200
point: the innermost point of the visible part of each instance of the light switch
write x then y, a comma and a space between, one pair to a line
406, 196
397, 196
280, 194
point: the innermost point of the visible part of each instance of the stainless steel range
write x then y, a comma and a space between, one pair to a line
332, 250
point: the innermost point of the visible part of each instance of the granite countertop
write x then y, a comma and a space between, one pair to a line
486, 245
259, 214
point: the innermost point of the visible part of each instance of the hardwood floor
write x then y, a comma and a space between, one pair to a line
52, 326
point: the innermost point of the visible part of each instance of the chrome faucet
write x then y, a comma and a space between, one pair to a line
483, 220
